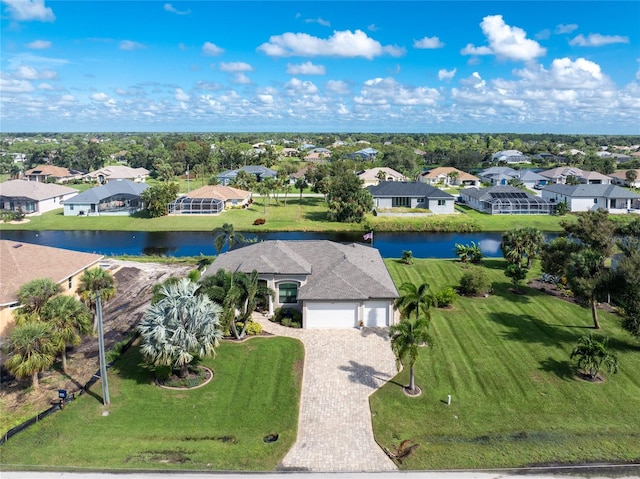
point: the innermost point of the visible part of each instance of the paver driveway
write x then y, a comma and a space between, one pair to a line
341, 369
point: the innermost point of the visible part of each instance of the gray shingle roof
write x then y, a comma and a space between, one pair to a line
484, 194
589, 191
407, 188
334, 271
99, 193
33, 190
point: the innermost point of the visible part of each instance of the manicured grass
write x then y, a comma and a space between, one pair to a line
255, 392
516, 399
306, 214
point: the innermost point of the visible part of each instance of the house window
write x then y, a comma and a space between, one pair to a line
288, 293
420, 200
70, 282
441, 202
71, 207
595, 200
400, 201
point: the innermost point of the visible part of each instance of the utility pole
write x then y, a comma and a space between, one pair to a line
103, 362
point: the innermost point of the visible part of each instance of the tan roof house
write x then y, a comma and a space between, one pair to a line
33, 197
118, 172
446, 175
620, 178
24, 262
210, 199
42, 173
374, 176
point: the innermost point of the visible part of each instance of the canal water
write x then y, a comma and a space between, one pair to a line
185, 243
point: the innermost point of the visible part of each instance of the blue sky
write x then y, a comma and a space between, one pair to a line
328, 66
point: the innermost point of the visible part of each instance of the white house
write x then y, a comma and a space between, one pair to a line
32, 197
612, 198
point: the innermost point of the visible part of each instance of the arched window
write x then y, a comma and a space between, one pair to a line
287, 293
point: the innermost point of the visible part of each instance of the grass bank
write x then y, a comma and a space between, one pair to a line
255, 392
516, 399
306, 214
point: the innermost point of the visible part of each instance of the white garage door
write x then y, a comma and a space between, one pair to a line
331, 315
376, 314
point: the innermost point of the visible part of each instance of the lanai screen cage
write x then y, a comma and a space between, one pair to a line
518, 204
195, 206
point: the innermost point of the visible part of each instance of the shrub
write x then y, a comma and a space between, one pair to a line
253, 328
474, 282
259, 221
445, 297
289, 317
194, 275
407, 257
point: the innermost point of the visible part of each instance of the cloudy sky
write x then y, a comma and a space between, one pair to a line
326, 66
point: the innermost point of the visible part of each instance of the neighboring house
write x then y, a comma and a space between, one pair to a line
511, 157
24, 262
497, 175
620, 178
531, 179
210, 200
115, 198
33, 197
334, 285
505, 200
411, 194
118, 172
366, 154
612, 198
317, 157
260, 173
43, 173
371, 177
560, 175
446, 175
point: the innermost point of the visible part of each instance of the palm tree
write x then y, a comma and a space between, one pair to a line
534, 241
179, 327
35, 294
631, 176
587, 278
31, 350
520, 243
96, 281
250, 290
225, 235
300, 185
69, 319
414, 300
406, 338
592, 356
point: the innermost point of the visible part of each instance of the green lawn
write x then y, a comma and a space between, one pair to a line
254, 392
515, 398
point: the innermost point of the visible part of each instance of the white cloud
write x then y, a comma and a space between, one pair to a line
234, 67
101, 97
306, 68
241, 79
597, 40
39, 45
299, 87
27, 10
506, 42
170, 8
428, 43
562, 29
388, 91
181, 95
25, 72
319, 21
266, 99
10, 85
211, 50
345, 44
446, 74
564, 73
475, 81
338, 87
130, 45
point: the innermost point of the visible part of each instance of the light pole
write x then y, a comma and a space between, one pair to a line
103, 362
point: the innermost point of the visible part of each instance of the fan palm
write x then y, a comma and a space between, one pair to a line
31, 350
406, 338
179, 327
69, 319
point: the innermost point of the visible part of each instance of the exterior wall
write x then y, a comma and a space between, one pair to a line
447, 208
54, 203
473, 202
71, 209
382, 202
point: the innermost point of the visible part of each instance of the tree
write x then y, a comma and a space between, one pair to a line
631, 176
157, 197
593, 355
414, 299
407, 257
225, 235
474, 282
300, 185
517, 273
556, 254
35, 294
406, 338
594, 229
588, 279
522, 244
347, 200
625, 287
69, 319
96, 281
469, 252
181, 326
31, 350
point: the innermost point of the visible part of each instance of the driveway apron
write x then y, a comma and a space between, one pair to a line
342, 368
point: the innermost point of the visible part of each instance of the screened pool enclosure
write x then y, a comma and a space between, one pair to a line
195, 206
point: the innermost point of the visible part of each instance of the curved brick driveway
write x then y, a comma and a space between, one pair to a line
341, 369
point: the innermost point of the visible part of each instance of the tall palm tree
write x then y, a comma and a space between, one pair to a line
96, 281
406, 338
69, 319
534, 241
179, 327
250, 290
414, 300
225, 235
588, 278
31, 350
